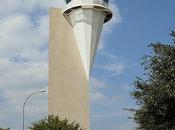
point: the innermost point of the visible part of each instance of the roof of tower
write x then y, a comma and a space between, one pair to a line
67, 1
96, 4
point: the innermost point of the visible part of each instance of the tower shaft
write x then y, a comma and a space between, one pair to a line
68, 84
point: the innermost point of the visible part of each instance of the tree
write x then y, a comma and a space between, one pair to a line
54, 123
155, 94
5, 129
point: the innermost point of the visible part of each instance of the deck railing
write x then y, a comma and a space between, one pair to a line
101, 2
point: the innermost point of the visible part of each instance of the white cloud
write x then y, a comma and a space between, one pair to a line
115, 69
16, 82
26, 6
116, 19
23, 59
109, 27
95, 95
95, 84
113, 65
15, 75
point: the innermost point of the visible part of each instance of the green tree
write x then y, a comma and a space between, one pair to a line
155, 94
4, 128
54, 123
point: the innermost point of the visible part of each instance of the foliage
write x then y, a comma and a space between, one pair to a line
155, 96
5, 129
54, 123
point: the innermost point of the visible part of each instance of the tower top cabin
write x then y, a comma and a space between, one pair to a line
101, 5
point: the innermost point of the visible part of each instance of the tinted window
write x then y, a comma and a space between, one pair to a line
107, 1
67, 1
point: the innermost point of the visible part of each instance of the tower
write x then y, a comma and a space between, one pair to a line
74, 34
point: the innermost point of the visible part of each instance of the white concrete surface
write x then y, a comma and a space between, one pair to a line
87, 18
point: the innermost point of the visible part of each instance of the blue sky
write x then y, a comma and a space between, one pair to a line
142, 22
24, 58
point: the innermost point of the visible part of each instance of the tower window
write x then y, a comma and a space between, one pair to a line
67, 1
107, 1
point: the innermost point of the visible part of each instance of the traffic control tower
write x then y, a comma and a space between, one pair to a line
74, 35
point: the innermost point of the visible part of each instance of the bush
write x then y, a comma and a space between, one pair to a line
55, 123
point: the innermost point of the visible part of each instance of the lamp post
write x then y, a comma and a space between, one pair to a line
41, 91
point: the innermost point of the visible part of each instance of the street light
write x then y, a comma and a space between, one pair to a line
41, 91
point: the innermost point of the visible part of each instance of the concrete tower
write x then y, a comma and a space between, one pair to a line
74, 35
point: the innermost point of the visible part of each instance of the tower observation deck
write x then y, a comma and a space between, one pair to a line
98, 4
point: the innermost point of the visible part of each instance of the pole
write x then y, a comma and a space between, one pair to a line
41, 91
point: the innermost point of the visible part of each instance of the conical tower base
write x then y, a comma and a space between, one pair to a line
87, 24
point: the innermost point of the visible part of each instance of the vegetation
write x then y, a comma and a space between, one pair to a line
54, 123
5, 129
155, 95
